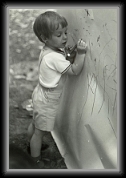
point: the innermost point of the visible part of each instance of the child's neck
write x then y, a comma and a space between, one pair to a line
54, 49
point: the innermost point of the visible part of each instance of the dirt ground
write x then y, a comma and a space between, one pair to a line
24, 50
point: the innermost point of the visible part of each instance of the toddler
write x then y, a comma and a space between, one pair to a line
51, 30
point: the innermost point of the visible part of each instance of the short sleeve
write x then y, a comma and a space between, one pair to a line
57, 61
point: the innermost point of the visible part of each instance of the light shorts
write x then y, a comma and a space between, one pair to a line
45, 107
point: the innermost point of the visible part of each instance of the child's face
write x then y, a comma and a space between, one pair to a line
58, 38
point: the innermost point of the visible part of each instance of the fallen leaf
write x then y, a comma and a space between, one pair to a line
20, 77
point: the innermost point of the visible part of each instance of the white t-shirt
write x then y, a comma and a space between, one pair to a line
52, 66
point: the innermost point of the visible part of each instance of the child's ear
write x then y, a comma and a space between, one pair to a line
44, 39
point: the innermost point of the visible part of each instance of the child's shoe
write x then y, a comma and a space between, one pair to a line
40, 164
43, 164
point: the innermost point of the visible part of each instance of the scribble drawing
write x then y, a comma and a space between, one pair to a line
103, 91
114, 103
90, 50
105, 77
105, 84
114, 21
89, 84
112, 74
105, 26
102, 52
114, 81
94, 96
111, 87
87, 12
112, 127
98, 38
108, 71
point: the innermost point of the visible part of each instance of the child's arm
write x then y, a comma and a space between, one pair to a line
77, 66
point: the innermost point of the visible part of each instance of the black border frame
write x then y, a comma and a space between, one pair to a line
5, 88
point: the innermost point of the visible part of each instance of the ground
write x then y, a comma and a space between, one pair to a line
24, 50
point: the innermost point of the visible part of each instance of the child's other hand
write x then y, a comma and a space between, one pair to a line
81, 47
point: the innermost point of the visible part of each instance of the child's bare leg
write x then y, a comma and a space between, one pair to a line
31, 130
36, 143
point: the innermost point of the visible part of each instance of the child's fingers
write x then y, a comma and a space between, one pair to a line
79, 41
82, 43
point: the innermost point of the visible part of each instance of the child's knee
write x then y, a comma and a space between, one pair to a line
39, 133
30, 127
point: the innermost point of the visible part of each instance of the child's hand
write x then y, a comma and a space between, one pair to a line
81, 47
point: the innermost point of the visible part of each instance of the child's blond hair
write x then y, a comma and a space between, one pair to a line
46, 23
